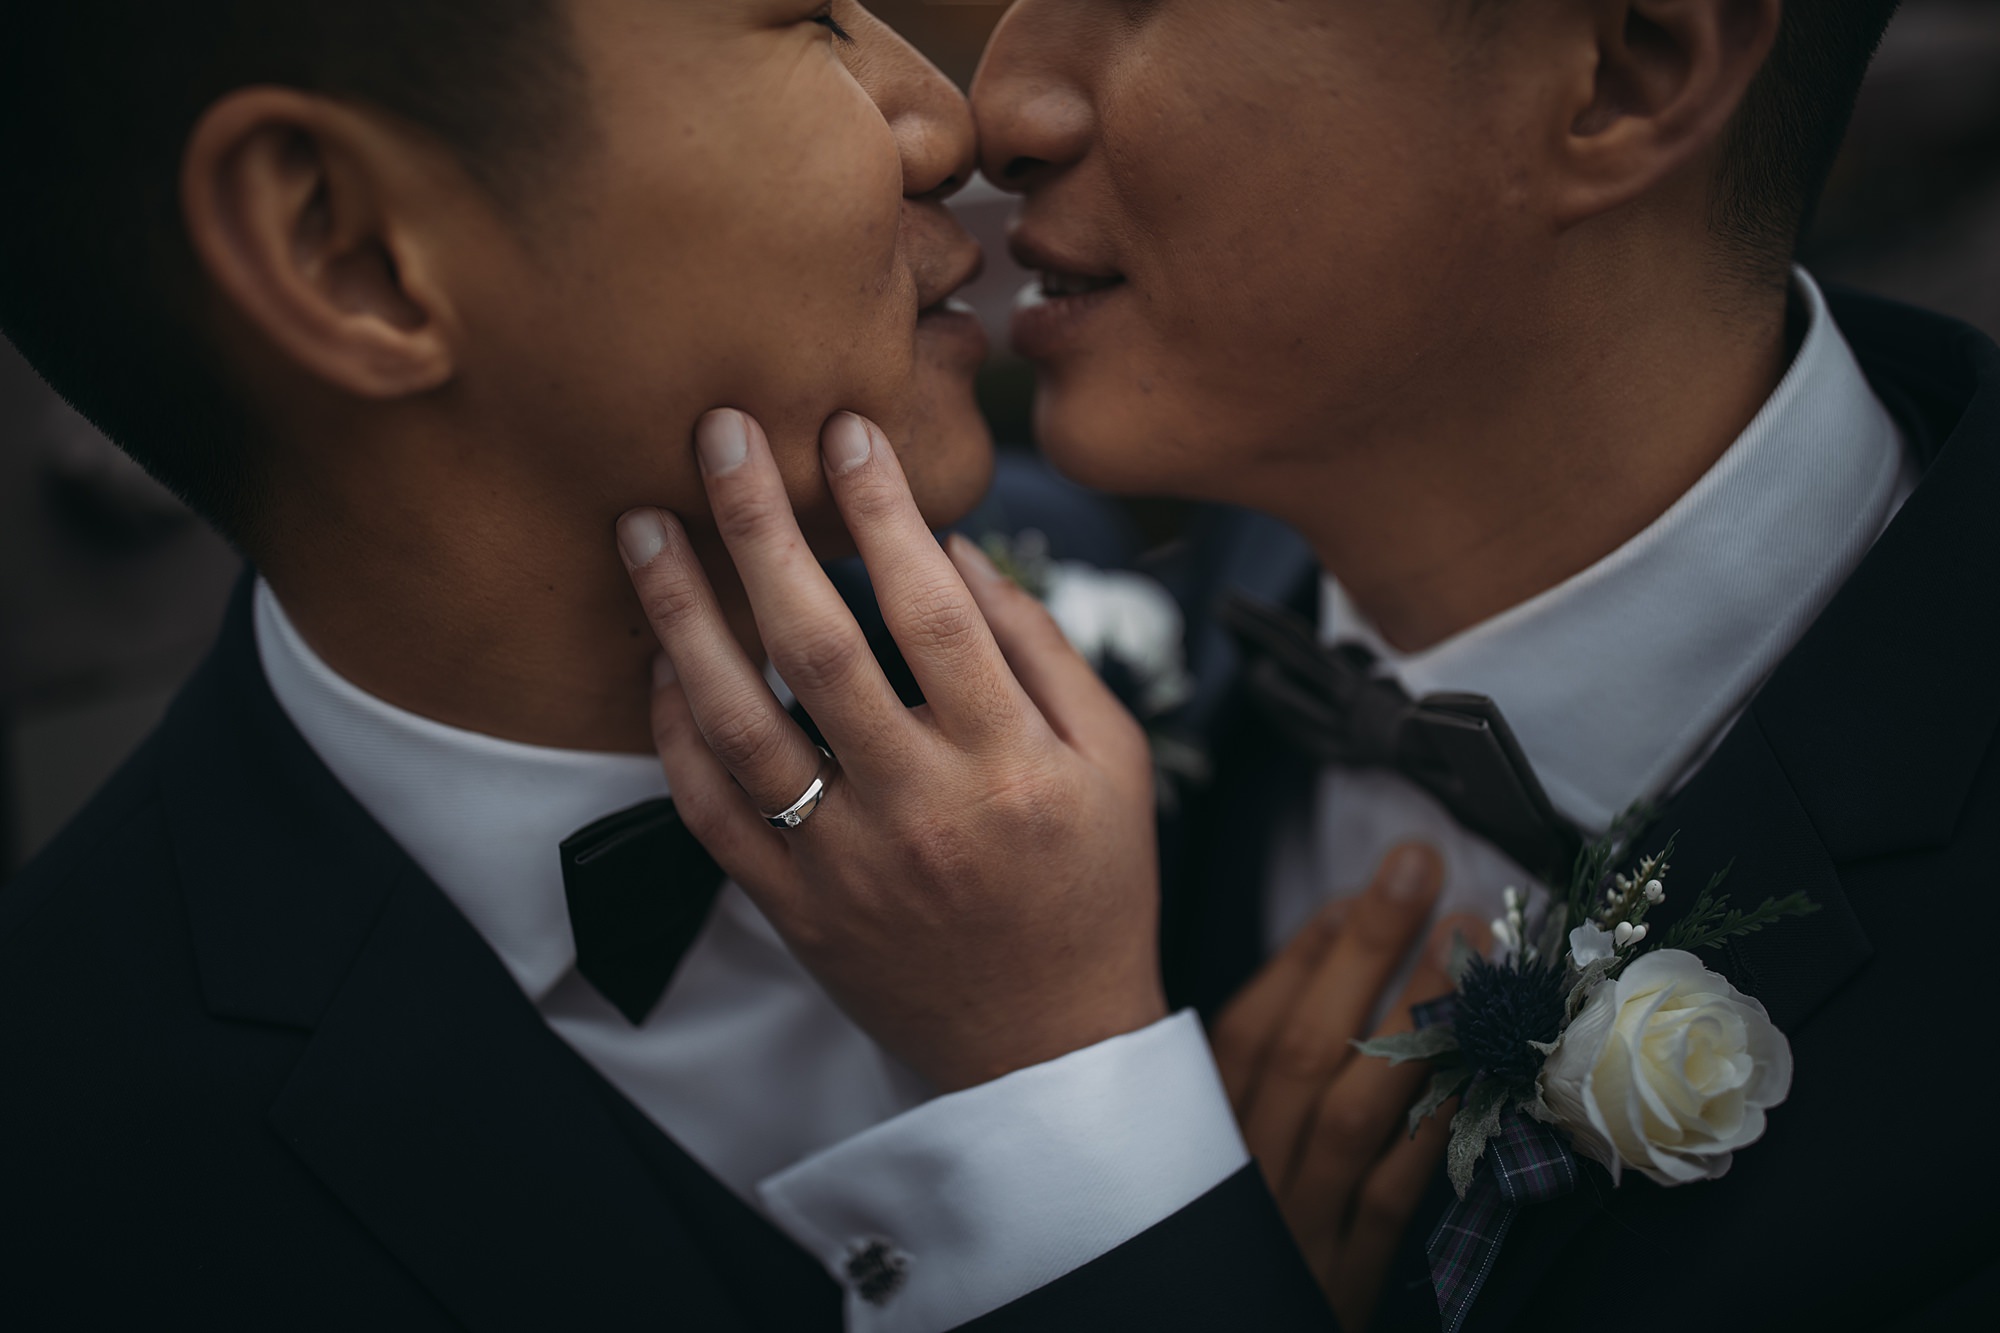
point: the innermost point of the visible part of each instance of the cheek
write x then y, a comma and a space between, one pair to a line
1250, 330
758, 269
805, 263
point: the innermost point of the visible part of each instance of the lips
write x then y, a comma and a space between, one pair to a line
945, 260
940, 282
1051, 313
951, 326
1064, 270
1056, 285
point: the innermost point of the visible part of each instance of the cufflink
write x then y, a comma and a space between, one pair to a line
877, 1270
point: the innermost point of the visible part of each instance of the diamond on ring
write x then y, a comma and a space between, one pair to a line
802, 809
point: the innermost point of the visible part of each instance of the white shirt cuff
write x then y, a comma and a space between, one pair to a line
975, 1199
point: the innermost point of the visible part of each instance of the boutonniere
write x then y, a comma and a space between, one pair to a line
1132, 633
1593, 1033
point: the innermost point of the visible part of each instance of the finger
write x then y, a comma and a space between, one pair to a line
1243, 1032
1334, 1006
1366, 1106
770, 757
710, 803
1063, 686
807, 629
925, 603
1388, 1201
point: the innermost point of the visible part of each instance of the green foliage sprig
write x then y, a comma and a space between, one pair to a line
1599, 896
1023, 559
1712, 920
1594, 871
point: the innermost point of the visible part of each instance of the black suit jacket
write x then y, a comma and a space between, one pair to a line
1866, 773
257, 1072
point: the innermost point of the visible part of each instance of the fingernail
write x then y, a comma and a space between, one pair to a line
1408, 875
663, 672
641, 537
846, 442
723, 440
979, 562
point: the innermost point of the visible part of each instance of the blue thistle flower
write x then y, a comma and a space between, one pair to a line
1501, 1007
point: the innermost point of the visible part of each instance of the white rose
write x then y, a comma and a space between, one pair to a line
1667, 1070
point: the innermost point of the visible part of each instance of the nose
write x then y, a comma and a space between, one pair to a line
928, 115
1031, 97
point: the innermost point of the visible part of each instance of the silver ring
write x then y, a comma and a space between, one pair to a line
802, 809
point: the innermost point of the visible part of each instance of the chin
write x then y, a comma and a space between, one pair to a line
951, 474
1101, 439
947, 457
943, 442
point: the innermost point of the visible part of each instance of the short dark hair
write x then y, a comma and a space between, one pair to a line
1787, 135
98, 285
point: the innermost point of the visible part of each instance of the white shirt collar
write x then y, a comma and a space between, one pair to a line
483, 817
1617, 680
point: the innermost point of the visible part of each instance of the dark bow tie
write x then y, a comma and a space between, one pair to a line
1331, 703
639, 888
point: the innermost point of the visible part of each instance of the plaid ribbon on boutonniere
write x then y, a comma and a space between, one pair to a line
1527, 1162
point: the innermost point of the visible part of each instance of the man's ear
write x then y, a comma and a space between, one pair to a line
296, 207
1666, 78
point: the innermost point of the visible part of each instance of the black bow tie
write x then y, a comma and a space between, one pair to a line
1331, 703
639, 888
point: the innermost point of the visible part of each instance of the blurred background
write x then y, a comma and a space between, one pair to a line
110, 592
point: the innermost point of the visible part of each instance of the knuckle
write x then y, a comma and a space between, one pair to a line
1346, 1128
670, 600
1304, 1057
703, 811
1034, 809
871, 496
753, 511
940, 620
820, 659
941, 856
744, 740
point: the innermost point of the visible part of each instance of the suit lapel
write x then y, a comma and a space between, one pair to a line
431, 1099
436, 1104
1867, 738
1741, 814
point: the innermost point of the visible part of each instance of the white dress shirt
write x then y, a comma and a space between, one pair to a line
986, 1194
1620, 681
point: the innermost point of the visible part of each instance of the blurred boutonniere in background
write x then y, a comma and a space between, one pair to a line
1130, 629
1591, 1032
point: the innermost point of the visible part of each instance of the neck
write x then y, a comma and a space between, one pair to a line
1549, 454
519, 626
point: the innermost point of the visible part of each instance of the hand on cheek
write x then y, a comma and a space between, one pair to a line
978, 886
